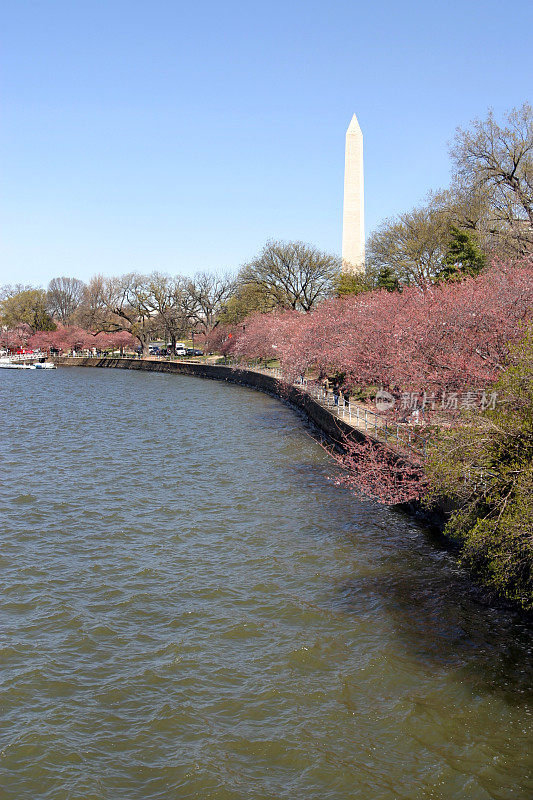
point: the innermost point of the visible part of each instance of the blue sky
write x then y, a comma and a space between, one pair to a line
181, 136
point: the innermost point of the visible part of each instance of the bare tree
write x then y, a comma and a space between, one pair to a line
495, 163
172, 305
8, 289
64, 297
120, 304
292, 274
92, 313
208, 293
130, 304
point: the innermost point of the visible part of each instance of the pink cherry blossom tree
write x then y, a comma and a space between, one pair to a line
450, 337
375, 471
15, 338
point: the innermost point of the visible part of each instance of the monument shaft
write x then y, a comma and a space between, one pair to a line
353, 223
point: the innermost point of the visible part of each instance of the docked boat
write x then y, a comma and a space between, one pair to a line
7, 363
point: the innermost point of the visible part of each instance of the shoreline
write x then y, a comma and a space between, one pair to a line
321, 419
329, 426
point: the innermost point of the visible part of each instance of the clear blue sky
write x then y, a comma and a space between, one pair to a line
182, 135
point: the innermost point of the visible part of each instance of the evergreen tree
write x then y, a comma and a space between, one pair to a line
387, 279
463, 258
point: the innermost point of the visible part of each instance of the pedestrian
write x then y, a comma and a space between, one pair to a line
346, 395
336, 394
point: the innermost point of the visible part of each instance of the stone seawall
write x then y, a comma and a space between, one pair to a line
330, 425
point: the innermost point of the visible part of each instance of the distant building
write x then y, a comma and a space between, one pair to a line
353, 221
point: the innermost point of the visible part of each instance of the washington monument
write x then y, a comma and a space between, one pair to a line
353, 220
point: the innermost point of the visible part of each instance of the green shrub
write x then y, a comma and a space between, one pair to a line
484, 465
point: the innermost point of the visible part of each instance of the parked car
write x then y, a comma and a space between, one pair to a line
193, 351
181, 351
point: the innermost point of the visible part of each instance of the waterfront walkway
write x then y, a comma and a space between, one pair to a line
400, 435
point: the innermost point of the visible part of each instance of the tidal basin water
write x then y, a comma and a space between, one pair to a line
189, 608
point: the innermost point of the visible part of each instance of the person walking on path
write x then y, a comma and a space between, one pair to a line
336, 393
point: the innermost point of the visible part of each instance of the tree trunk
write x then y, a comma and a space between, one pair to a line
144, 342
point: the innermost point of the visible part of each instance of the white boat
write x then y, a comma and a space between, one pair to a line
7, 363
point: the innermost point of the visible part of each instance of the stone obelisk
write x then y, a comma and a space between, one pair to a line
353, 221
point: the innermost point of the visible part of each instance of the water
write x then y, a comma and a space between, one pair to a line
190, 609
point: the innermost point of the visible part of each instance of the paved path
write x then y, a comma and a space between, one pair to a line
397, 434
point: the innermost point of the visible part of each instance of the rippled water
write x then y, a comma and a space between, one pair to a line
189, 609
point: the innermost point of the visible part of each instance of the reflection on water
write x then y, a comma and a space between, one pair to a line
190, 609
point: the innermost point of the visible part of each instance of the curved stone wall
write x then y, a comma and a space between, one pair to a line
330, 425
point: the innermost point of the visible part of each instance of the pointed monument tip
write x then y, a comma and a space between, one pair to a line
354, 126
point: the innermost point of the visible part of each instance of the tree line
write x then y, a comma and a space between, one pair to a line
159, 306
486, 213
